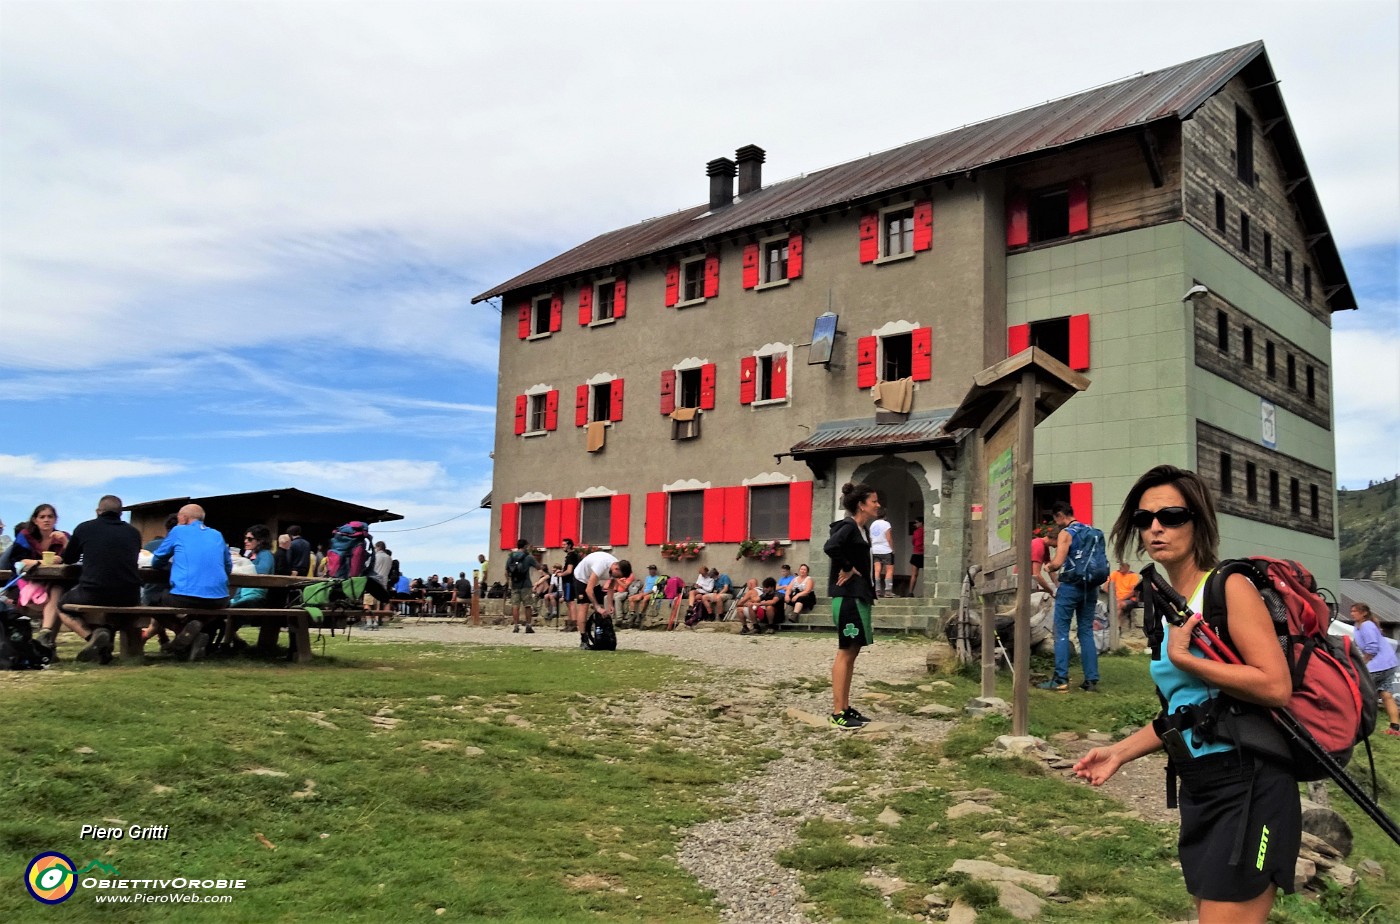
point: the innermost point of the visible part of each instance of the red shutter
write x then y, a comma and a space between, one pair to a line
736, 514
921, 340
551, 410
656, 518
712, 275
1079, 342
780, 376
750, 265
568, 519
673, 285
748, 372
585, 305
1018, 337
556, 314
581, 406
1081, 498
923, 224
522, 410
620, 298
551, 524
668, 390
869, 237
865, 362
522, 326
510, 525
1078, 207
707, 387
800, 510
1018, 221
615, 408
618, 520
795, 255
714, 515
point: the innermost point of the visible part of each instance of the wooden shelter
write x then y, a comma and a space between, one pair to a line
230, 514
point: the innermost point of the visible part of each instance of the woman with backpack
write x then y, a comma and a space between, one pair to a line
1241, 819
852, 594
1380, 659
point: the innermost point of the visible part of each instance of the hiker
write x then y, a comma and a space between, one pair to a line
573, 589
785, 578
298, 553
852, 595
1073, 600
802, 592
33, 538
768, 614
916, 556
1123, 583
109, 548
703, 586
746, 606
1228, 800
717, 600
1380, 659
1040, 557
519, 564
199, 568
282, 557
637, 601
882, 553
593, 572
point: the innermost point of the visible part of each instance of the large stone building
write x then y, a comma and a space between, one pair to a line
1159, 234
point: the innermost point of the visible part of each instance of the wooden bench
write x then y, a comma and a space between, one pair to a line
125, 620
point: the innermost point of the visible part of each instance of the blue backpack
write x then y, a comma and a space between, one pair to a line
1087, 561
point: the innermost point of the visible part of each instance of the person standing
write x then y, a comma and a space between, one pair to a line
298, 553
852, 595
1380, 659
1241, 819
519, 564
109, 548
916, 555
1073, 600
882, 551
573, 589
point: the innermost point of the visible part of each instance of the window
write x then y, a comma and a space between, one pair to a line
1312, 500
1248, 337
1251, 481
540, 315
537, 412
1269, 365
1288, 268
686, 515
693, 279
1244, 146
532, 522
597, 521
1244, 232
602, 401
689, 382
1220, 211
768, 511
897, 230
1292, 373
897, 359
1268, 251
1222, 331
765, 378
1294, 500
775, 261
1052, 336
603, 301
1307, 282
1049, 215
1273, 489
1312, 383
1227, 480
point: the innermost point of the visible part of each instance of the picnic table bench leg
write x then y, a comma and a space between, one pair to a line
133, 639
267, 635
299, 627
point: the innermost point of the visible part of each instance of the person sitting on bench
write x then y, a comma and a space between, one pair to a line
108, 547
199, 568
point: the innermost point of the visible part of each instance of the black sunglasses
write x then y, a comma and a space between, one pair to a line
1170, 517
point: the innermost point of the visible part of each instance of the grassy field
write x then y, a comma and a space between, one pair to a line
425, 782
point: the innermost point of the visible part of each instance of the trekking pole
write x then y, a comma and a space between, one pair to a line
1213, 648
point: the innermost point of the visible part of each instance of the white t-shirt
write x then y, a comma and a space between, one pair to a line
880, 538
599, 563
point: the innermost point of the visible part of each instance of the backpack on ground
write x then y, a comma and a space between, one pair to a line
1087, 561
599, 634
351, 553
18, 649
1334, 696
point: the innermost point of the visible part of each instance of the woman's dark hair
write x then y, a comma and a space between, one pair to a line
262, 536
1205, 544
853, 495
31, 529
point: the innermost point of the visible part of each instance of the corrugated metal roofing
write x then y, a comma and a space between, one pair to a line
1383, 599
837, 436
1173, 92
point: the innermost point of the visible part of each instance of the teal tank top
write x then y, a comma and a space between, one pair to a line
1179, 688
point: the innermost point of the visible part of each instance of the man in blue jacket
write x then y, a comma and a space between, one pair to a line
199, 568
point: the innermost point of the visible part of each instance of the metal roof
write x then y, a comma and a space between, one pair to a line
1174, 92
346, 508
837, 437
1383, 599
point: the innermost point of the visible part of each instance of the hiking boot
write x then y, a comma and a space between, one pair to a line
514, 629
1054, 686
854, 715
744, 631
1090, 686
843, 721
192, 630
198, 646
529, 630
44, 638
99, 646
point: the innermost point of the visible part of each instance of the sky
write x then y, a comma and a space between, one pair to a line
239, 241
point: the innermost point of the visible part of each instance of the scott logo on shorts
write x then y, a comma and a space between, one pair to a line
1263, 848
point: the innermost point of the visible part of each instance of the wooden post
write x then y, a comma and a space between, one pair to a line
989, 651
1021, 538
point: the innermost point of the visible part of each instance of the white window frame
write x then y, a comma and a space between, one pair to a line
594, 493
594, 320
681, 300
767, 480
772, 350
689, 364
541, 303
885, 256
598, 379
891, 329
763, 246
540, 391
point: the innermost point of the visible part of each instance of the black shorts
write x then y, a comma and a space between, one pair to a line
917, 560
1219, 794
579, 590
853, 623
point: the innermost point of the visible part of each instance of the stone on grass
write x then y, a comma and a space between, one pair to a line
1327, 825
1018, 902
976, 795
1026, 745
935, 709
889, 817
886, 885
1371, 868
1304, 872
964, 809
806, 718
1342, 875
962, 913
991, 872
987, 705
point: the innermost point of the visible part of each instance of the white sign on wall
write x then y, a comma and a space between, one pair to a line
1269, 419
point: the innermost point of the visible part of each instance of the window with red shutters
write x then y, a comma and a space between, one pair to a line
655, 527
522, 409
585, 305
620, 298
581, 406
621, 513
673, 285
869, 238
668, 390
1018, 338
923, 225
794, 262
713, 515
736, 514
551, 410
800, 511
778, 390
1065, 338
866, 348
615, 400
1079, 342
522, 325
569, 519
921, 369
552, 533
712, 275
510, 525
750, 270
748, 379
707, 387
1081, 498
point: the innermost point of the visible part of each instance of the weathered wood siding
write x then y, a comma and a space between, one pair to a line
1211, 442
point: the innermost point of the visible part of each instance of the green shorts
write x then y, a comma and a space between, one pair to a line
852, 619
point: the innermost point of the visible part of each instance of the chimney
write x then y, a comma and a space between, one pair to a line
750, 158
1379, 576
721, 174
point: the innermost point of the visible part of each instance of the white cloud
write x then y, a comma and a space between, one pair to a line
373, 477
83, 473
1366, 396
